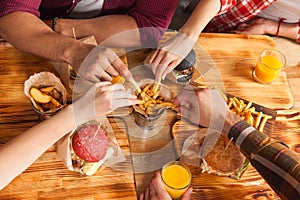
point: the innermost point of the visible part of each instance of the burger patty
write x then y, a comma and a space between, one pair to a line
90, 143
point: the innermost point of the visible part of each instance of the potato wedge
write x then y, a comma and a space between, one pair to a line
55, 102
39, 96
56, 95
47, 90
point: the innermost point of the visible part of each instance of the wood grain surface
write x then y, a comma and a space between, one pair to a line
145, 150
236, 56
211, 186
227, 61
234, 59
47, 177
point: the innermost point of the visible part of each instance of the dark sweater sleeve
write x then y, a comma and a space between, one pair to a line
153, 18
273, 160
9, 6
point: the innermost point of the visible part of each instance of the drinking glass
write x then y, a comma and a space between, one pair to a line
269, 65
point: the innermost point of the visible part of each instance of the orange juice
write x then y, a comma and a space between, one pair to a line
177, 178
269, 66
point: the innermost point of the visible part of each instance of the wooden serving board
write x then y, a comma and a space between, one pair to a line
235, 57
229, 72
227, 61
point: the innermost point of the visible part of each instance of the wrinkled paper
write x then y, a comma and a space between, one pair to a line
63, 147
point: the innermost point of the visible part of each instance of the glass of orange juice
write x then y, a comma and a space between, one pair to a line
269, 66
177, 178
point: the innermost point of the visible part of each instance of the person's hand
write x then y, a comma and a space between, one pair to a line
101, 64
156, 191
205, 107
101, 99
168, 55
259, 26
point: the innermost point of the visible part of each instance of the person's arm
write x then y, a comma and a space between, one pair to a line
20, 152
169, 54
144, 14
23, 150
276, 163
28, 33
262, 26
202, 14
291, 31
103, 28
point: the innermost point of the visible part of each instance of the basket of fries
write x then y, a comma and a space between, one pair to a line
153, 103
46, 93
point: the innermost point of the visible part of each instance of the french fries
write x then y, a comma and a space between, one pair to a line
118, 79
247, 112
47, 98
150, 101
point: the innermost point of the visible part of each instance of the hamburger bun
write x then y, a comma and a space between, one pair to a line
89, 148
220, 156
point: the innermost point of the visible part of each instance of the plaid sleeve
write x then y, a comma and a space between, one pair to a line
236, 12
274, 161
226, 5
9, 6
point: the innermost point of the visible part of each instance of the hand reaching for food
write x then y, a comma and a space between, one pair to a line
205, 107
99, 100
168, 55
101, 64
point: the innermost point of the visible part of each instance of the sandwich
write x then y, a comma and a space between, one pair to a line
89, 147
185, 70
220, 156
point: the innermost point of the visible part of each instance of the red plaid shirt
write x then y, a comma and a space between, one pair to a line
234, 12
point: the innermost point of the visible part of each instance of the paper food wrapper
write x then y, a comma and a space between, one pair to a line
45, 79
113, 155
198, 145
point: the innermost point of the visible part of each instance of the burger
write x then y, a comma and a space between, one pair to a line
220, 156
89, 147
185, 70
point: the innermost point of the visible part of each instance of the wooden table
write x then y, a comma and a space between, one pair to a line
234, 56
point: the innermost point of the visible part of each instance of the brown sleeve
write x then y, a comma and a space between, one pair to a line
274, 161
